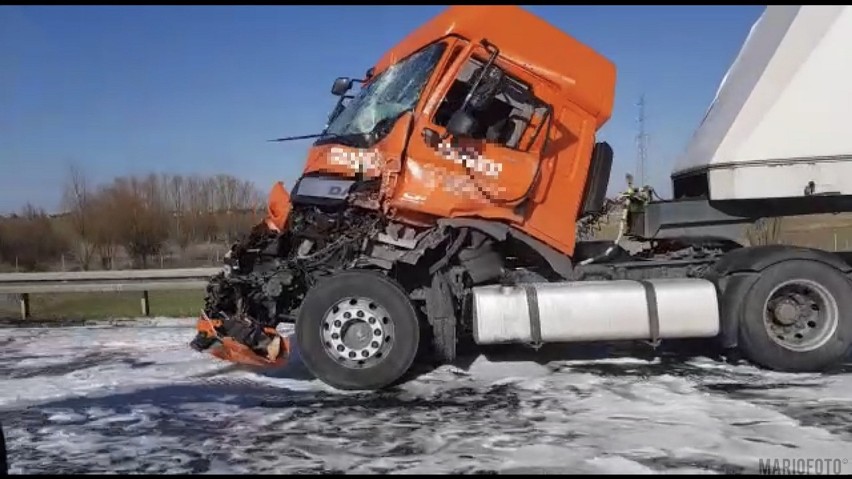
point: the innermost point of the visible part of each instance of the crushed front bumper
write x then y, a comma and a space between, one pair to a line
270, 348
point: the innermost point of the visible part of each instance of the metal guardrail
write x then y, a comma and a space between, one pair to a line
144, 280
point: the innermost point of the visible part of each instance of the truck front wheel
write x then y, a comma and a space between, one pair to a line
357, 330
797, 317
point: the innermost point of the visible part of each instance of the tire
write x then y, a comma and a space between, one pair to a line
314, 331
823, 345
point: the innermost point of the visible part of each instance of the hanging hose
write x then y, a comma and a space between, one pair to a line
628, 197
622, 224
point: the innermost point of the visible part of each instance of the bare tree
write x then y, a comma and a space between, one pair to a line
149, 231
235, 202
105, 231
139, 215
136, 216
199, 209
77, 201
177, 201
29, 240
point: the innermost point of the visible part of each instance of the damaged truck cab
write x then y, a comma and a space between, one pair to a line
527, 115
440, 206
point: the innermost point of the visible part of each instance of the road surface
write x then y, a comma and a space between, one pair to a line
137, 399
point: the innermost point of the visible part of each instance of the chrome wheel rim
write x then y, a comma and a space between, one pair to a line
357, 332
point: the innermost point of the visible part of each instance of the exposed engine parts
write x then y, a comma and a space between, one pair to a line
267, 275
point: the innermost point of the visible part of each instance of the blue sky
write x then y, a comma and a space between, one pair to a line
126, 90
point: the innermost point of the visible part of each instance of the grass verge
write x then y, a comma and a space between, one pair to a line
89, 306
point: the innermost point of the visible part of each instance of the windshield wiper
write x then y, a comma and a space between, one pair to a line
300, 137
342, 139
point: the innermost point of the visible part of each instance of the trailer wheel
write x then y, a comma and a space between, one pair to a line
797, 317
357, 330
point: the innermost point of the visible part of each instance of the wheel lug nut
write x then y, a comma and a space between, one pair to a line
365, 353
335, 336
337, 323
351, 354
375, 344
340, 348
372, 320
347, 315
360, 314
377, 332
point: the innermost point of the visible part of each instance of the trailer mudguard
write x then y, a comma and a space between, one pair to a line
758, 258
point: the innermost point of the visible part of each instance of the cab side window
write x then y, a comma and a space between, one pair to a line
510, 119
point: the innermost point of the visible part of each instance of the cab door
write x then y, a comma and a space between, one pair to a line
493, 169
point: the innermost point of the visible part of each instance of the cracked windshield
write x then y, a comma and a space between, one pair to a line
391, 93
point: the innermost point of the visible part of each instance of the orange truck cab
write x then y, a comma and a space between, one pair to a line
527, 148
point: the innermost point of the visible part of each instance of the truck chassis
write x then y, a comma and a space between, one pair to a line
367, 294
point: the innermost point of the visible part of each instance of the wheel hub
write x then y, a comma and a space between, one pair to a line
786, 312
357, 332
801, 315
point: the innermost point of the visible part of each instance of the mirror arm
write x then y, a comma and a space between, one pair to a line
493, 57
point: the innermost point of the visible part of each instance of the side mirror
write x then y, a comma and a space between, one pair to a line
341, 86
461, 124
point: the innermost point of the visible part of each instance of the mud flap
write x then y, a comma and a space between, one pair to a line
229, 349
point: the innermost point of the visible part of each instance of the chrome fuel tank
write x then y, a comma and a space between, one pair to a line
595, 311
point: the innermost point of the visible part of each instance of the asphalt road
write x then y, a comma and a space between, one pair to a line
136, 399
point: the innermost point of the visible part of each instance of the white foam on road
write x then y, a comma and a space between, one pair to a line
137, 399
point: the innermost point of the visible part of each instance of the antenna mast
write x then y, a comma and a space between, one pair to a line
641, 143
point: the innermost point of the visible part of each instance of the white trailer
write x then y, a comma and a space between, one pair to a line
779, 125
774, 142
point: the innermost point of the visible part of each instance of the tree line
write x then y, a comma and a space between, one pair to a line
136, 217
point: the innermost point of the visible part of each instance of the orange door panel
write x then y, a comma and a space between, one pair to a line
486, 175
